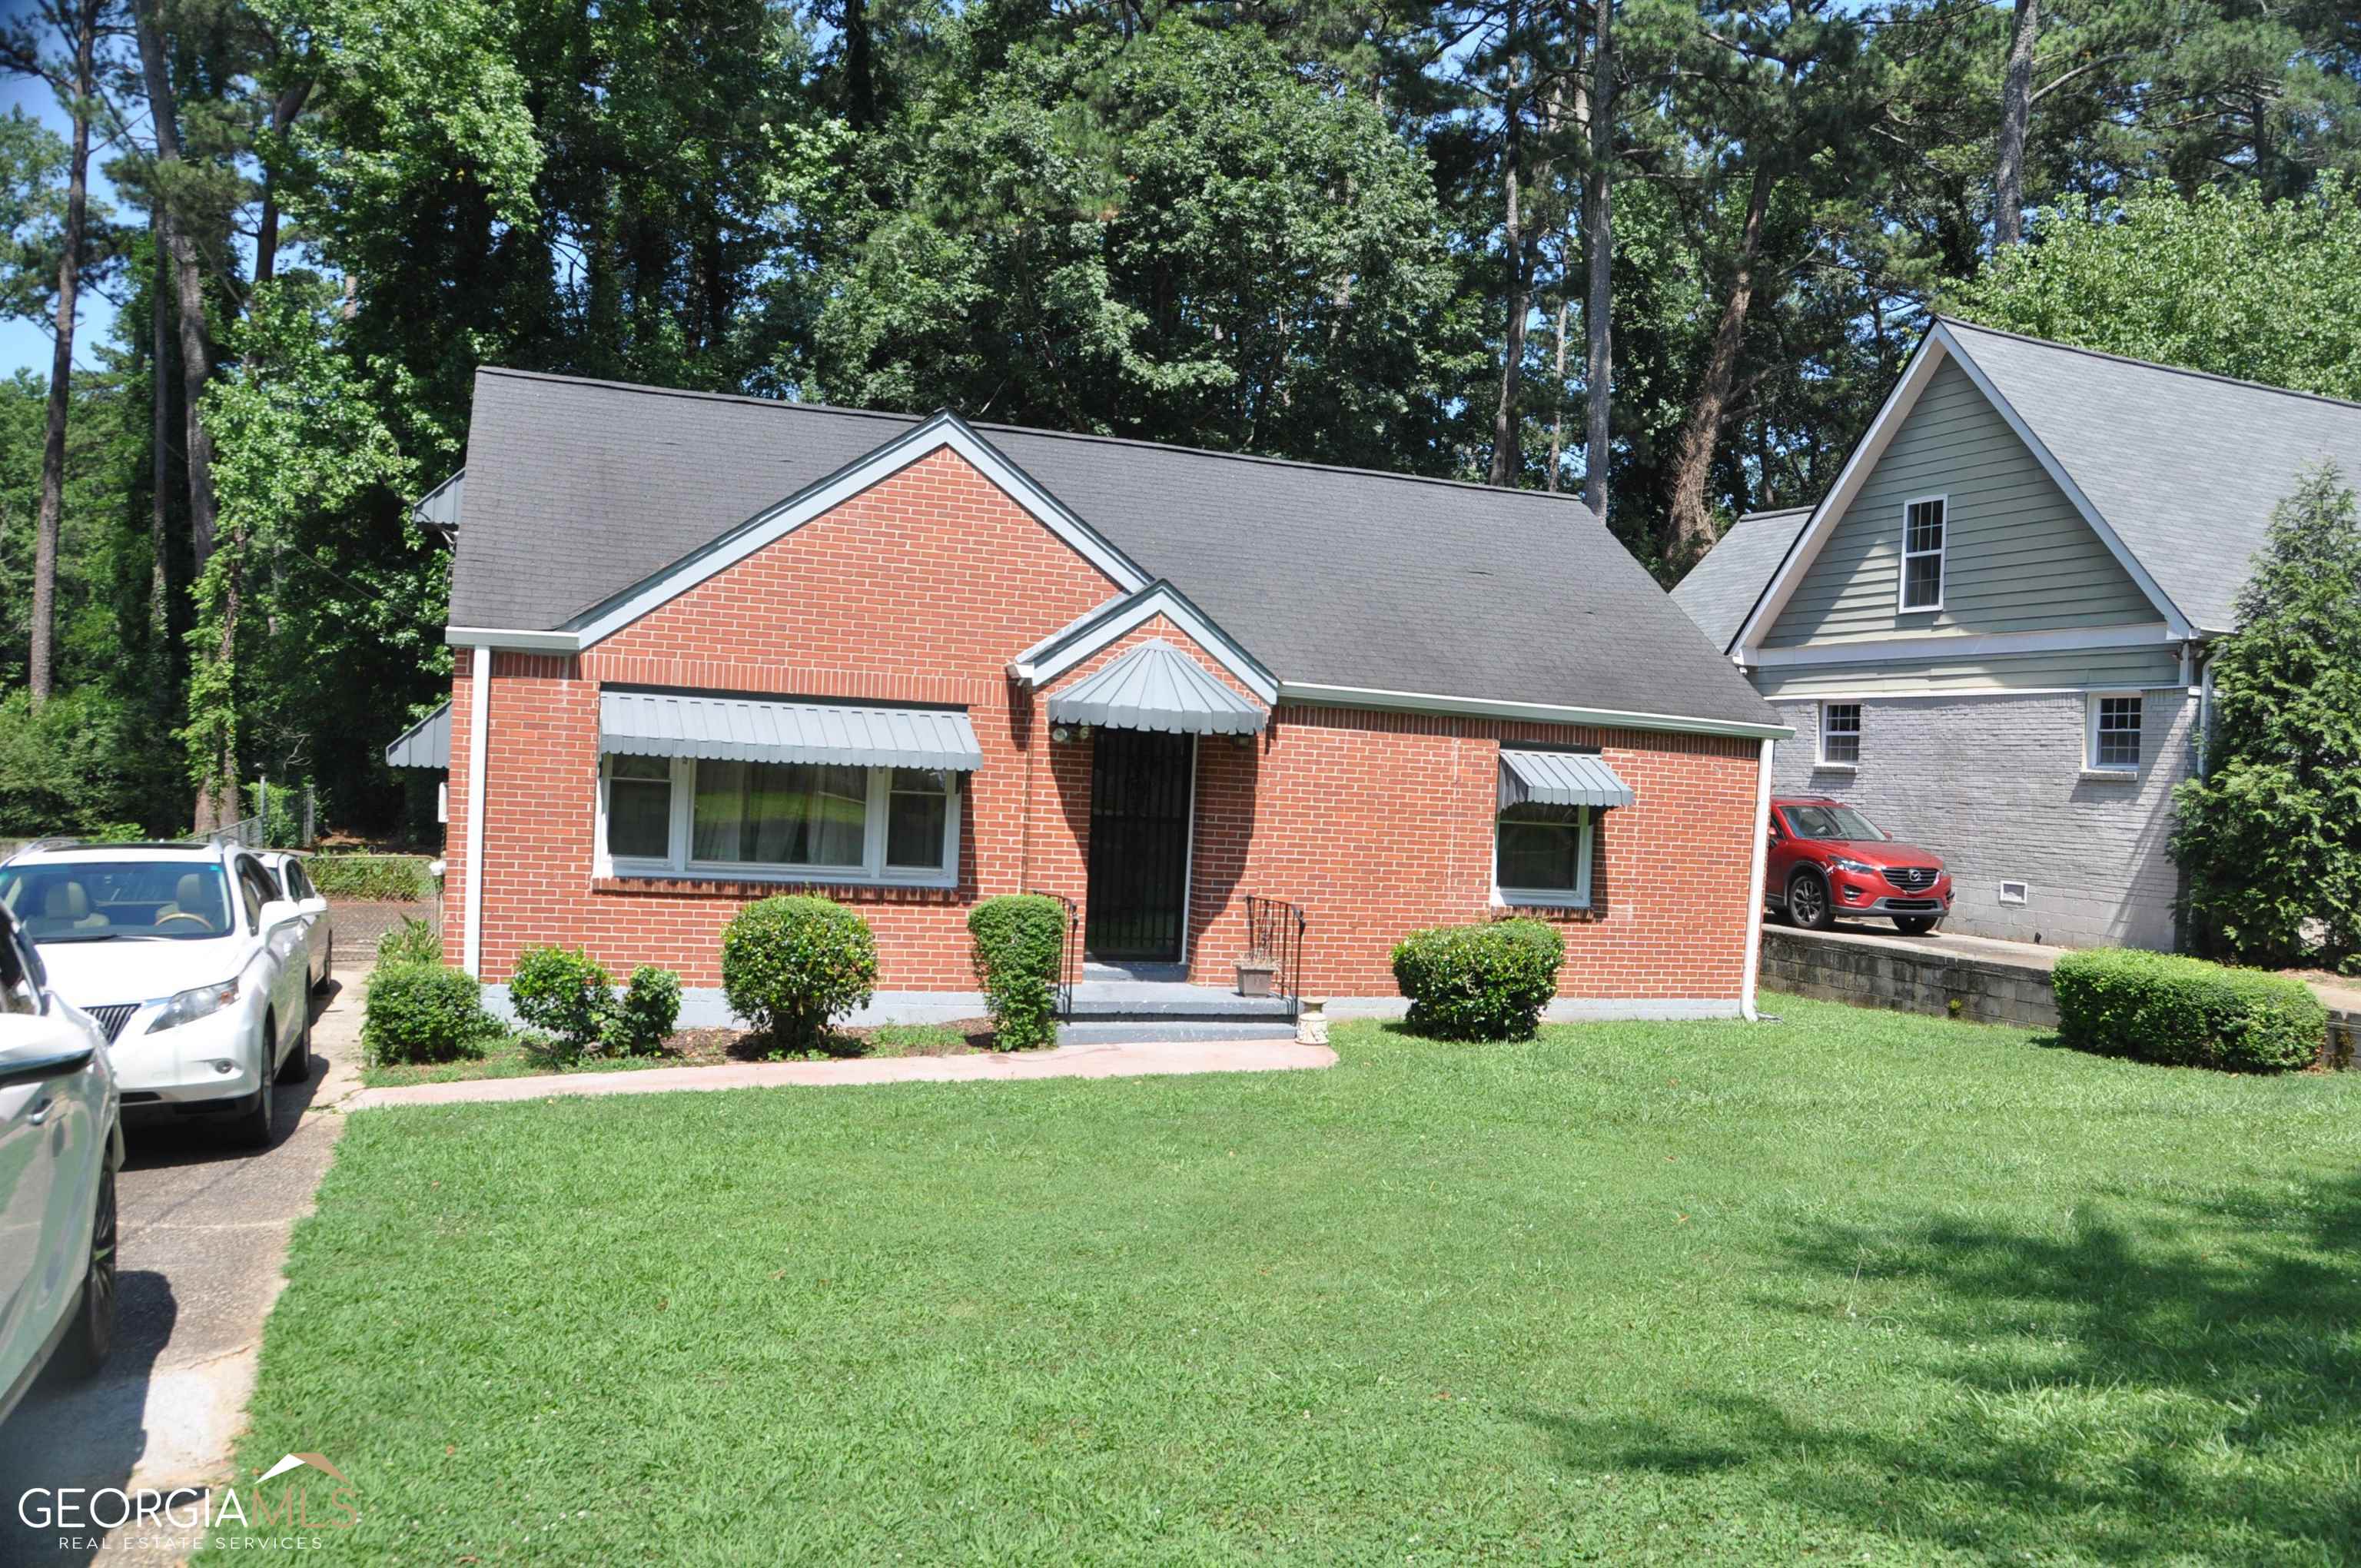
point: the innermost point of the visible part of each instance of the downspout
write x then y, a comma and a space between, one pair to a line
2205, 716
1754, 877
479, 712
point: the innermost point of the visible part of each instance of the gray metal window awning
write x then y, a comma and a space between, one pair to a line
755, 730
1559, 778
425, 744
1156, 687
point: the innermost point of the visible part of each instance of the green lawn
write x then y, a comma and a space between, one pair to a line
1854, 1287
513, 1055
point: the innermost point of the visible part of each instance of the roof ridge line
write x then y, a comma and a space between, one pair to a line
2151, 363
912, 420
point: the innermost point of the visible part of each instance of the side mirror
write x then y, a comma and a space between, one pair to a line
277, 912
36, 1049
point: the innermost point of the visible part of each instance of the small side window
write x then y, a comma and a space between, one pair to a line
2112, 738
1923, 528
1839, 734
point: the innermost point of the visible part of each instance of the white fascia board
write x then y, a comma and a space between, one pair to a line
1061, 651
944, 430
1989, 644
513, 638
2065, 481
1305, 694
1932, 352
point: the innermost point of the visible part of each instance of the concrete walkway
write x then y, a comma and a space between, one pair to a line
1152, 1059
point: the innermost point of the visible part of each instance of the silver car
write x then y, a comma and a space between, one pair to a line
61, 1144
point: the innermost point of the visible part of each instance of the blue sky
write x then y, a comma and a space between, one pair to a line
26, 345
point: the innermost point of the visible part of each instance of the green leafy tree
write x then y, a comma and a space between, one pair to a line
1175, 237
2268, 839
2226, 283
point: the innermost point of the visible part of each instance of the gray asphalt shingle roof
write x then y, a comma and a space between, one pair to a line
577, 490
1721, 588
2185, 467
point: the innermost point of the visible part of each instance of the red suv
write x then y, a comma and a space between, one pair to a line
1828, 859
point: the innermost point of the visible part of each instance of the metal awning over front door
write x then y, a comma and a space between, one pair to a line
1156, 686
1559, 778
754, 730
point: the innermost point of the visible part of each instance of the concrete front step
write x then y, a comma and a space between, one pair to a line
1099, 1001
1122, 1032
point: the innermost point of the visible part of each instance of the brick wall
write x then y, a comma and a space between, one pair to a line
921, 589
1995, 786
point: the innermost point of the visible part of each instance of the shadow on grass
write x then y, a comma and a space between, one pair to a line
2181, 1386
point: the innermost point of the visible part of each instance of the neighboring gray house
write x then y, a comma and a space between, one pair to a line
1992, 633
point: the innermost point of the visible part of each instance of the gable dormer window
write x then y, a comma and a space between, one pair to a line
1923, 531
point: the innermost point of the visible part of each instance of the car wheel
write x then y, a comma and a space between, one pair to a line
94, 1330
1807, 902
252, 1125
1914, 925
327, 966
297, 1067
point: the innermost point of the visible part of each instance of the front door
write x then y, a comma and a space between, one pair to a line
1139, 844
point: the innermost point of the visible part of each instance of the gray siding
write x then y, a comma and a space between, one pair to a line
2088, 669
2019, 557
1995, 784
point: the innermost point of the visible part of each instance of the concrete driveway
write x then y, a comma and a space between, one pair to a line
204, 1230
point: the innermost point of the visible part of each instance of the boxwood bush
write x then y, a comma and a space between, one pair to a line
2186, 1012
1479, 982
790, 965
1018, 944
424, 1012
563, 992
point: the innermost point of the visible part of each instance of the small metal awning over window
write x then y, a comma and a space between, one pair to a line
1156, 687
1559, 778
425, 744
753, 730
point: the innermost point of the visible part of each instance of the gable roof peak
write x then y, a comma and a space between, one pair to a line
1961, 323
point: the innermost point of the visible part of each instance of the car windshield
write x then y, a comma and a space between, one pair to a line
1831, 822
101, 900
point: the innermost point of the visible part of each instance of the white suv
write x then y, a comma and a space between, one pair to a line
188, 956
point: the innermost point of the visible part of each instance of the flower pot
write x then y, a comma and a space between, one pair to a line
1255, 976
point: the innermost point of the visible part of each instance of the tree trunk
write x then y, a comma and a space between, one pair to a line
216, 800
860, 68
160, 456
1507, 456
1557, 398
43, 673
283, 110
1598, 233
2016, 120
1688, 527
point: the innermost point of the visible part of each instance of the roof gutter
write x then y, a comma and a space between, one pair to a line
1305, 694
513, 638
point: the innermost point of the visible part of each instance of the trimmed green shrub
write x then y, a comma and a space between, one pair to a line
789, 965
560, 991
2184, 1011
411, 942
424, 1012
1018, 944
385, 878
1479, 982
643, 1017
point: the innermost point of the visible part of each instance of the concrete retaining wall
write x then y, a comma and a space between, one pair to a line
1907, 981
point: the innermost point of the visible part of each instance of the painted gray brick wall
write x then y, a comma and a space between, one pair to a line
1995, 786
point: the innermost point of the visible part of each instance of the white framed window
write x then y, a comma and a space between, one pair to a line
1839, 734
1541, 854
1925, 527
2111, 732
787, 822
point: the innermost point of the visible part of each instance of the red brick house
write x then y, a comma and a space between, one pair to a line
710, 648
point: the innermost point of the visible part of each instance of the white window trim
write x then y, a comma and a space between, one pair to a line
1820, 758
1902, 605
2091, 764
872, 871
1543, 897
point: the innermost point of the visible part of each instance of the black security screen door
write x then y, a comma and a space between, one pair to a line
1139, 844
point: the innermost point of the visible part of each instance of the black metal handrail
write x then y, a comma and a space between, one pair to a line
1275, 937
1070, 953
